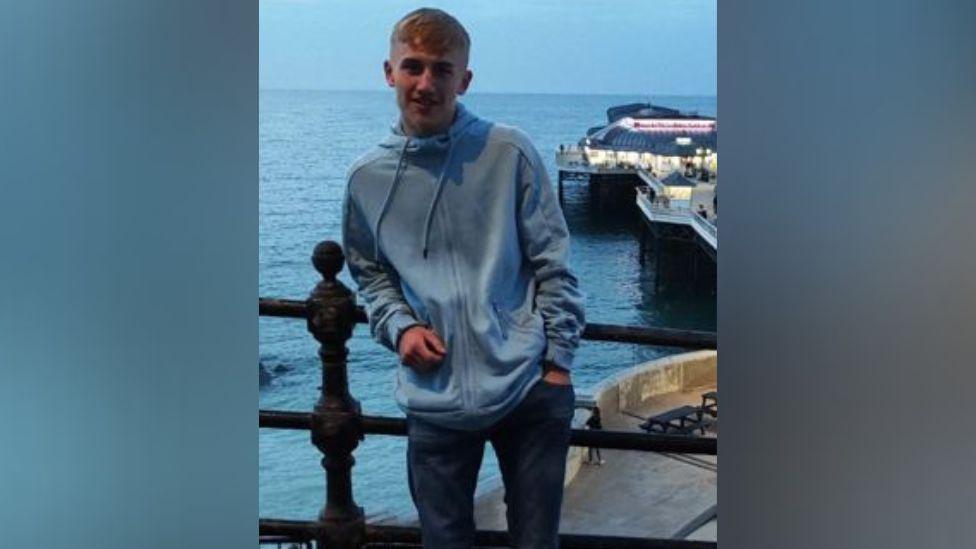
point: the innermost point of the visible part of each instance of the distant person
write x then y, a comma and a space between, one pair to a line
594, 424
702, 211
459, 247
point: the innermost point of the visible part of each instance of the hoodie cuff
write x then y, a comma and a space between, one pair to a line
396, 325
561, 356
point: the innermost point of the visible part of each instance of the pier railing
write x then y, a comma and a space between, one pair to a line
659, 209
336, 425
705, 225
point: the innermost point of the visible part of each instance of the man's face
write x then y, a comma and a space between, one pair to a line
427, 85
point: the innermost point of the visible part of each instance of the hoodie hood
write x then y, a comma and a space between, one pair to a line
398, 140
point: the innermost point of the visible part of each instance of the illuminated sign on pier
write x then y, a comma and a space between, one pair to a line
671, 126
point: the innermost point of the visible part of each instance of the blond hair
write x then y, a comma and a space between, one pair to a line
433, 30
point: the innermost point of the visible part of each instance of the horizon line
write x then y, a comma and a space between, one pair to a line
494, 92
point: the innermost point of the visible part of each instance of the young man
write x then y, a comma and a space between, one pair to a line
460, 250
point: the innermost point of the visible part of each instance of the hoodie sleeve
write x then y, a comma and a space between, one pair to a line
379, 284
544, 238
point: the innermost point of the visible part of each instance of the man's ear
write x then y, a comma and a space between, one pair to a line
388, 71
465, 82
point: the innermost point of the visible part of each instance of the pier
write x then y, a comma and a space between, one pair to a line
669, 157
603, 178
695, 210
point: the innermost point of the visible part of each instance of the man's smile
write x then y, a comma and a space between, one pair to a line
426, 102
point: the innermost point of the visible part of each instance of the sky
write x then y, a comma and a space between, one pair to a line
634, 47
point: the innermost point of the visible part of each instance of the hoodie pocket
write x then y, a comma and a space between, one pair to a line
514, 320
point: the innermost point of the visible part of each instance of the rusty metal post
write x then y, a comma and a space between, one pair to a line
337, 418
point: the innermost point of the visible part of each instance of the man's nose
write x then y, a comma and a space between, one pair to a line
426, 80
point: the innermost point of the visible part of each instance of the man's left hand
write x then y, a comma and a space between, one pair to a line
555, 375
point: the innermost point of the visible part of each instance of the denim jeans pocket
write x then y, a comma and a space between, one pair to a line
559, 398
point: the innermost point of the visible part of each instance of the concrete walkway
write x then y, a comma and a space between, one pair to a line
639, 494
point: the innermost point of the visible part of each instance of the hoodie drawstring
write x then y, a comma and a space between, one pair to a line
454, 134
389, 198
437, 195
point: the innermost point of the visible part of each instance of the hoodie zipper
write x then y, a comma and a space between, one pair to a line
466, 382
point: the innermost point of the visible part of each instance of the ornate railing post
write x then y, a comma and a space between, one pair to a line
336, 418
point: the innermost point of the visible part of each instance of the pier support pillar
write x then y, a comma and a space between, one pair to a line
642, 246
560, 184
657, 265
336, 423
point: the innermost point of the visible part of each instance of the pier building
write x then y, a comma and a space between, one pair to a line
670, 157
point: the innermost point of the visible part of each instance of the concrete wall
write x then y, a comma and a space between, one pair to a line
633, 387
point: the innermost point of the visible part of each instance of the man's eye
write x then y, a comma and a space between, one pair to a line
412, 68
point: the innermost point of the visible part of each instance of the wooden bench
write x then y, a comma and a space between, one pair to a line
683, 420
709, 403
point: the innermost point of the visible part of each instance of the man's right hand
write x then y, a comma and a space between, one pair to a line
421, 348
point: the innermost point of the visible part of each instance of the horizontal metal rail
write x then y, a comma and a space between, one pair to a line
706, 225
290, 308
615, 440
300, 531
667, 337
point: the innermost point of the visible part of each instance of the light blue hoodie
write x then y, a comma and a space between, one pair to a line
462, 232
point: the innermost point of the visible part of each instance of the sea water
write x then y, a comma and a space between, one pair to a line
308, 139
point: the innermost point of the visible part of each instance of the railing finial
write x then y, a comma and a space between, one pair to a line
327, 258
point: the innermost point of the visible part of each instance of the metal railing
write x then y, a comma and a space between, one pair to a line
664, 211
336, 423
705, 225
660, 204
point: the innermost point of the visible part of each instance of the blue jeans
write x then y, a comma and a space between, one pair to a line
531, 444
